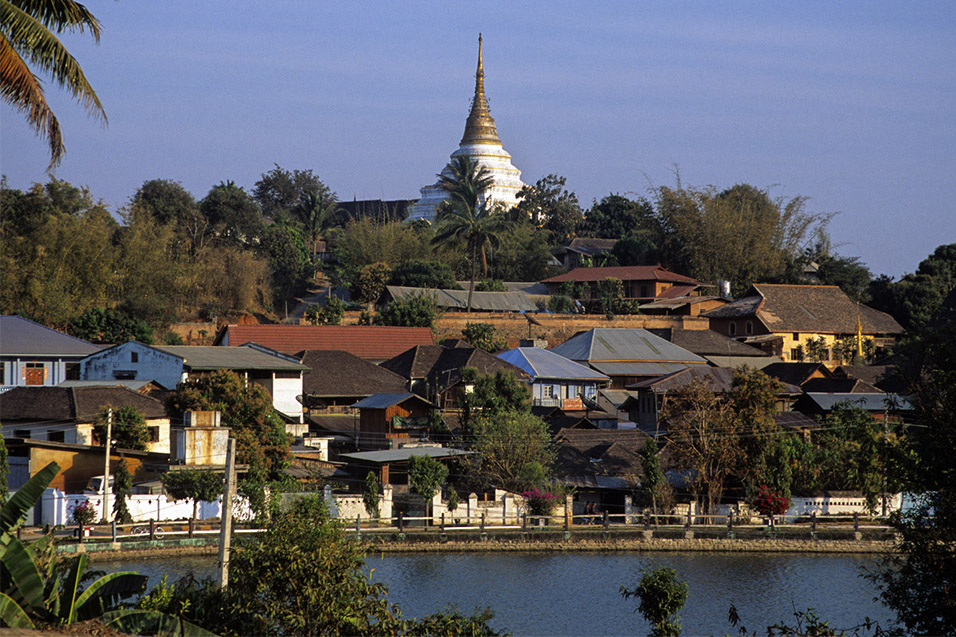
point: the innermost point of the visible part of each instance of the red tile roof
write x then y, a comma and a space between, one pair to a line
624, 273
365, 341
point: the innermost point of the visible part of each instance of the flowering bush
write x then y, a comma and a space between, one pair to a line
83, 513
540, 502
769, 502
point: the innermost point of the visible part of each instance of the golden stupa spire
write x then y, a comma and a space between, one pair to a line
480, 127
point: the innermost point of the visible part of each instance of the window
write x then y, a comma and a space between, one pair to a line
732, 328
21, 433
749, 327
153, 433
643, 291
795, 354
796, 336
124, 374
73, 371
547, 391
56, 436
134, 357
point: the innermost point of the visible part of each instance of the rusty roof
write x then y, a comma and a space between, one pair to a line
374, 342
624, 273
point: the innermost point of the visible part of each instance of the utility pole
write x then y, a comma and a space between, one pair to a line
883, 463
225, 525
106, 469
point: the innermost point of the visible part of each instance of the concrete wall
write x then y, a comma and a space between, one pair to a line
349, 506
56, 507
199, 445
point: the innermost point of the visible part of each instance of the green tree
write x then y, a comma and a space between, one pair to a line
329, 313
246, 408
417, 310
280, 190
702, 431
129, 429
370, 496
170, 204
491, 395
918, 579
424, 274
318, 212
523, 254
110, 325
370, 283
122, 487
616, 216
234, 217
426, 475
507, 442
653, 481
288, 257
550, 206
740, 234
4, 470
466, 219
202, 485
917, 297
661, 597
484, 336
28, 39
754, 401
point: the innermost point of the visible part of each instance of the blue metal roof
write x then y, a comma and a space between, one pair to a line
542, 363
403, 454
385, 400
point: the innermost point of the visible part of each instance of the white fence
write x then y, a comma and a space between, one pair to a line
57, 507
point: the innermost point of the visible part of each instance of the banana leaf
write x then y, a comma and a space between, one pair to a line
26, 583
11, 615
152, 622
106, 592
26, 496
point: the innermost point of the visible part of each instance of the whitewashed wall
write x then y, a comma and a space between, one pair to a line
56, 507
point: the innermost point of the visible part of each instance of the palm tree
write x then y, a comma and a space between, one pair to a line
465, 217
27, 29
318, 211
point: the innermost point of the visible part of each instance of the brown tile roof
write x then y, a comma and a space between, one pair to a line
82, 404
807, 308
624, 273
337, 373
884, 377
365, 341
839, 386
795, 373
609, 452
442, 365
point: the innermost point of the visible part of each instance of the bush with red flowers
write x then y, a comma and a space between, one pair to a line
540, 502
769, 502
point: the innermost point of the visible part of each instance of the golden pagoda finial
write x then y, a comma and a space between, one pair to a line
480, 127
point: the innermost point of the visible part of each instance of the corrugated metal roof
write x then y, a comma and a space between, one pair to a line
207, 357
23, 337
458, 299
870, 402
623, 344
386, 400
638, 369
624, 273
403, 454
542, 363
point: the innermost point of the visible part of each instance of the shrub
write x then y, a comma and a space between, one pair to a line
540, 502
83, 513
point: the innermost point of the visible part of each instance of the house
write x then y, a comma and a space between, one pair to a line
891, 406
792, 321
388, 420
391, 465
585, 251
457, 300
169, 365
797, 373
719, 350
375, 343
627, 355
646, 408
336, 380
641, 283
32, 354
436, 371
683, 306
556, 381
78, 463
68, 414
883, 377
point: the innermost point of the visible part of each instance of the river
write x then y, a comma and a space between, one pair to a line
579, 593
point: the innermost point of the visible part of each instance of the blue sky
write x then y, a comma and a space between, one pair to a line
850, 104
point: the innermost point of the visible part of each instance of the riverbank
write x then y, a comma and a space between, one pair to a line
554, 543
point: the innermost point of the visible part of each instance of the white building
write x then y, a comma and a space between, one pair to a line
169, 365
481, 142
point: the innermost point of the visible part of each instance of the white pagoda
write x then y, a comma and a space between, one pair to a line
481, 142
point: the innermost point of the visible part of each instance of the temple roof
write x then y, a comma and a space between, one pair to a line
480, 127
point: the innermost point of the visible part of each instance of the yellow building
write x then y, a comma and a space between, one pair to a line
805, 323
